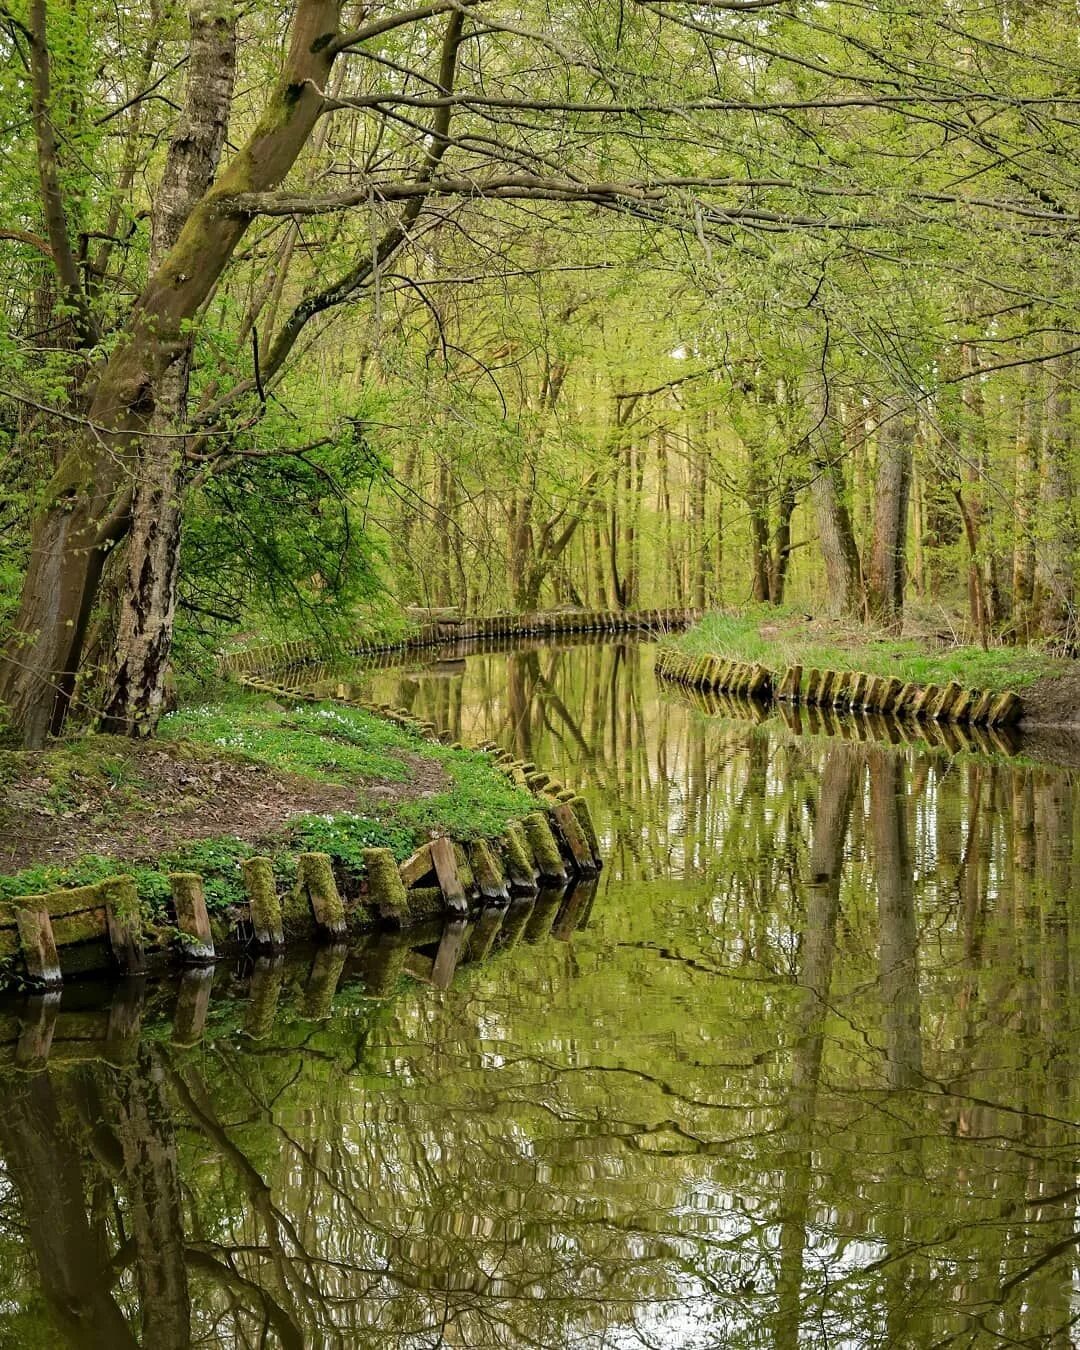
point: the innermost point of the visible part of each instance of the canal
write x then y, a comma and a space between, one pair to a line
801, 1070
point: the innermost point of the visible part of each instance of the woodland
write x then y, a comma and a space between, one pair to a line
313, 311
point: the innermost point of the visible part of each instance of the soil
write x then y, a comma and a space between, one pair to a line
1053, 701
171, 797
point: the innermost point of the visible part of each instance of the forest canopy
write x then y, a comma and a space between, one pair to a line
316, 306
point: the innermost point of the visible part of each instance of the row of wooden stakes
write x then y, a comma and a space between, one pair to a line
844, 690
49, 1027
858, 726
106, 925
269, 657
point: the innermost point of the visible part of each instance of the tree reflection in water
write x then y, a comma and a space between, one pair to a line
800, 1069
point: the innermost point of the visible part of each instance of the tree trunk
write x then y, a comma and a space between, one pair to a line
885, 584
838, 548
1055, 566
781, 550
1024, 487
79, 517
135, 698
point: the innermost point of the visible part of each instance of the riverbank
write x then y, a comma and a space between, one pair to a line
239, 778
779, 640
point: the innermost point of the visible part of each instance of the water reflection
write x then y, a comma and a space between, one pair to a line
798, 1069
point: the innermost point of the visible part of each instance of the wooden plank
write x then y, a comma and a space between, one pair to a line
446, 870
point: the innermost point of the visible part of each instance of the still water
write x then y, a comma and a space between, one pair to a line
802, 1071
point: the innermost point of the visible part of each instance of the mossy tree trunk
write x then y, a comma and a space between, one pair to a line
888, 546
85, 506
148, 599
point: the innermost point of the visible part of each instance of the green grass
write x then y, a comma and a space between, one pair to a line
325, 743
790, 639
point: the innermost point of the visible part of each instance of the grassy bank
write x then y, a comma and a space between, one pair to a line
230, 780
777, 638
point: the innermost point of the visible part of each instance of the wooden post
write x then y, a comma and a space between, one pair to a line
576, 842
262, 896
941, 709
580, 808
315, 878
891, 695
446, 870
520, 864
488, 871
1006, 710
189, 901
37, 942
386, 889
123, 921
791, 684
545, 849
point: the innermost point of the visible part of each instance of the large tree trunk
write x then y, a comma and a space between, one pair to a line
135, 697
838, 548
77, 521
888, 547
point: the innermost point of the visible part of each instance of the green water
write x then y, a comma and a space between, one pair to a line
801, 1072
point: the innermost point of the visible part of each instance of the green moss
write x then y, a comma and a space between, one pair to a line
544, 848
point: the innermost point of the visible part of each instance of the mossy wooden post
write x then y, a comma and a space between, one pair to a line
520, 866
416, 867
891, 695
961, 709
123, 921
544, 848
813, 684
487, 869
905, 699
580, 808
875, 688
315, 878
925, 701
262, 895
759, 682
446, 870
189, 901
1006, 710
825, 688
37, 941
943, 706
263, 995
386, 890
571, 831
980, 713
790, 685
192, 1006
